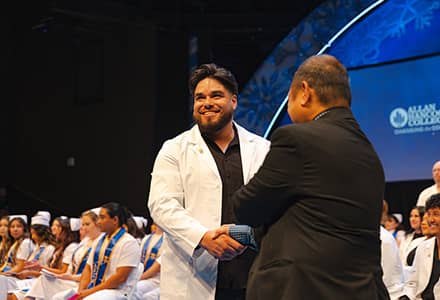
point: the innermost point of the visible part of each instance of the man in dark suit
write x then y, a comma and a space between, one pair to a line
319, 196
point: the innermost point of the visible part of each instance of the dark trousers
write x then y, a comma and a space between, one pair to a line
230, 294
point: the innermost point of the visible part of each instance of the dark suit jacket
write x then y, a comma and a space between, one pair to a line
319, 194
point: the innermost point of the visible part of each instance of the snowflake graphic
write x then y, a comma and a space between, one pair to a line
361, 45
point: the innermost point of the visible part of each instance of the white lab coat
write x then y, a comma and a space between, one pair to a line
391, 264
420, 273
185, 201
407, 245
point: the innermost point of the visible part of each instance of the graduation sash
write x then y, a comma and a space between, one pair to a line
100, 265
40, 251
10, 260
148, 261
83, 261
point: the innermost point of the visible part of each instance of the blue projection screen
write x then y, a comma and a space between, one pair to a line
398, 107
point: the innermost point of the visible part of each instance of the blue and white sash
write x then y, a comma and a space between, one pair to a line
100, 266
40, 251
82, 263
148, 261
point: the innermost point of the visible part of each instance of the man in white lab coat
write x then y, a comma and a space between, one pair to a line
193, 178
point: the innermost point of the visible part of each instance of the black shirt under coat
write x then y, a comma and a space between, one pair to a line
231, 274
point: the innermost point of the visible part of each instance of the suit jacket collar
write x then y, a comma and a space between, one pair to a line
334, 112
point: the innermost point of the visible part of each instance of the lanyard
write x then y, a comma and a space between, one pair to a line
100, 266
148, 261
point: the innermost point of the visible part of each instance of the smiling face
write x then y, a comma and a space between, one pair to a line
89, 227
56, 228
214, 105
414, 219
434, 221
425, 226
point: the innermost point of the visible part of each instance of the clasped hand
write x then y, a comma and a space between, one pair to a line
220, 245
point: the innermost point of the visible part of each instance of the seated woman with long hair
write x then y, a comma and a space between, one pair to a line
21, 246
414, 236
5, 241
51, 283
66, 241
41, 256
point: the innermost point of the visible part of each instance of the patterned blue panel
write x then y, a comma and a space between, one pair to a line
264, 93
398, 29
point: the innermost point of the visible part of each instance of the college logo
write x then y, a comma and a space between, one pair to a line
399, 117
421, 118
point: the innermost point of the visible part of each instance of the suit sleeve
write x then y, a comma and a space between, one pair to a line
166, 202
271, 191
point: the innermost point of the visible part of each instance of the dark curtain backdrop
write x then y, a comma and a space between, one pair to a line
106, 94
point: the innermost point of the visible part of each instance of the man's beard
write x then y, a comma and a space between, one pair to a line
214, 126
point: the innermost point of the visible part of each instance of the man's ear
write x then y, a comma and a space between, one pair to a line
234, 100
306, 93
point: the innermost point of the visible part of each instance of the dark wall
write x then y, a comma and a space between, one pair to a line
173, 105
402, 196
108, 95
86, 93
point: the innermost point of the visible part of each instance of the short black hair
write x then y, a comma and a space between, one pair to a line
433, 202
213, 71
115, 209
327, 76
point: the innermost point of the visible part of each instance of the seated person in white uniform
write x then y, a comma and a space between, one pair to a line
135, 228
52, 283
111, 270
67, 240
153, 294
426, 231
150, 251
5, 241
41, 256
20, 250
21, 247
414, 236
425, 273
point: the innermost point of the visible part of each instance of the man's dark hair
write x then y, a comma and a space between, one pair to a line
117, 210
433, 202
223, 75
327, 76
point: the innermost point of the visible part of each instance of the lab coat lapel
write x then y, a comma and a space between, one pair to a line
428, 259
247, 152
202, 152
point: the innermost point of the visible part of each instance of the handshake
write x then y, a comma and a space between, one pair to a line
228, 241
